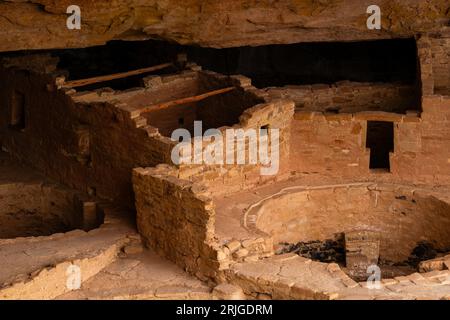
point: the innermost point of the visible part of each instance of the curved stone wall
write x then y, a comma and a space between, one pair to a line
34, 209
402, 216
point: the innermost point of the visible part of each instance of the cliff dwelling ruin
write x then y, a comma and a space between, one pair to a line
360, 121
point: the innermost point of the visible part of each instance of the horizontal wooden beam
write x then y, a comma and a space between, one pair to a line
199, 97
85, 82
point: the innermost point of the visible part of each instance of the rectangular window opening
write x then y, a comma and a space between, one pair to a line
380, 141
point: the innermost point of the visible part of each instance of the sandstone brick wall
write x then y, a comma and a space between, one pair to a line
166, 88
335, 145
351, 97
403, 216
176, 218
434, 57
32, 205
91, 146
37, 209
245, 108
423, 148
95, 138
223, 179
214, 112
226, 109
440, 50
425, 65
175, 212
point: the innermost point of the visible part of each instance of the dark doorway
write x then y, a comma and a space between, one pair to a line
380, 140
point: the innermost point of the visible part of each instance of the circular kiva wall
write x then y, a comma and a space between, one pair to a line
402, 216
37, 210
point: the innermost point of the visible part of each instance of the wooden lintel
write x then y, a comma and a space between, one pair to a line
85, 82
172, 103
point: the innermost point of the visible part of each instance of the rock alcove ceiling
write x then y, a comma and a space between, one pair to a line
41, 24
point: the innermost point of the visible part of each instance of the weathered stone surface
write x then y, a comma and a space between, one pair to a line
431, 265
42, 23
297, 279
141, 276
226, 291
37, 268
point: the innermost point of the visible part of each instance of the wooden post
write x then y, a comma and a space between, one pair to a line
172, 103
85, 82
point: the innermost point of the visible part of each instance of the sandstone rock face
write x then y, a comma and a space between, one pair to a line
41, 24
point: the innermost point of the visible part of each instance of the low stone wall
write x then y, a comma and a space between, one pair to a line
176, 218
400, 215
223, 179
40, 209
289, 276
351, 97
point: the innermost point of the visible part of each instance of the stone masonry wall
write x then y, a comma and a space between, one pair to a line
350, 97
424, 148
402, 216
95, 138
175, 211
38, 209
332, 144
425, 65
214, 112
335, 145
176, 218
91, 146
223, 179
434, 56
440, 49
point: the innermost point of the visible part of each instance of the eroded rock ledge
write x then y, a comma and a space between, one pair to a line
41, 24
